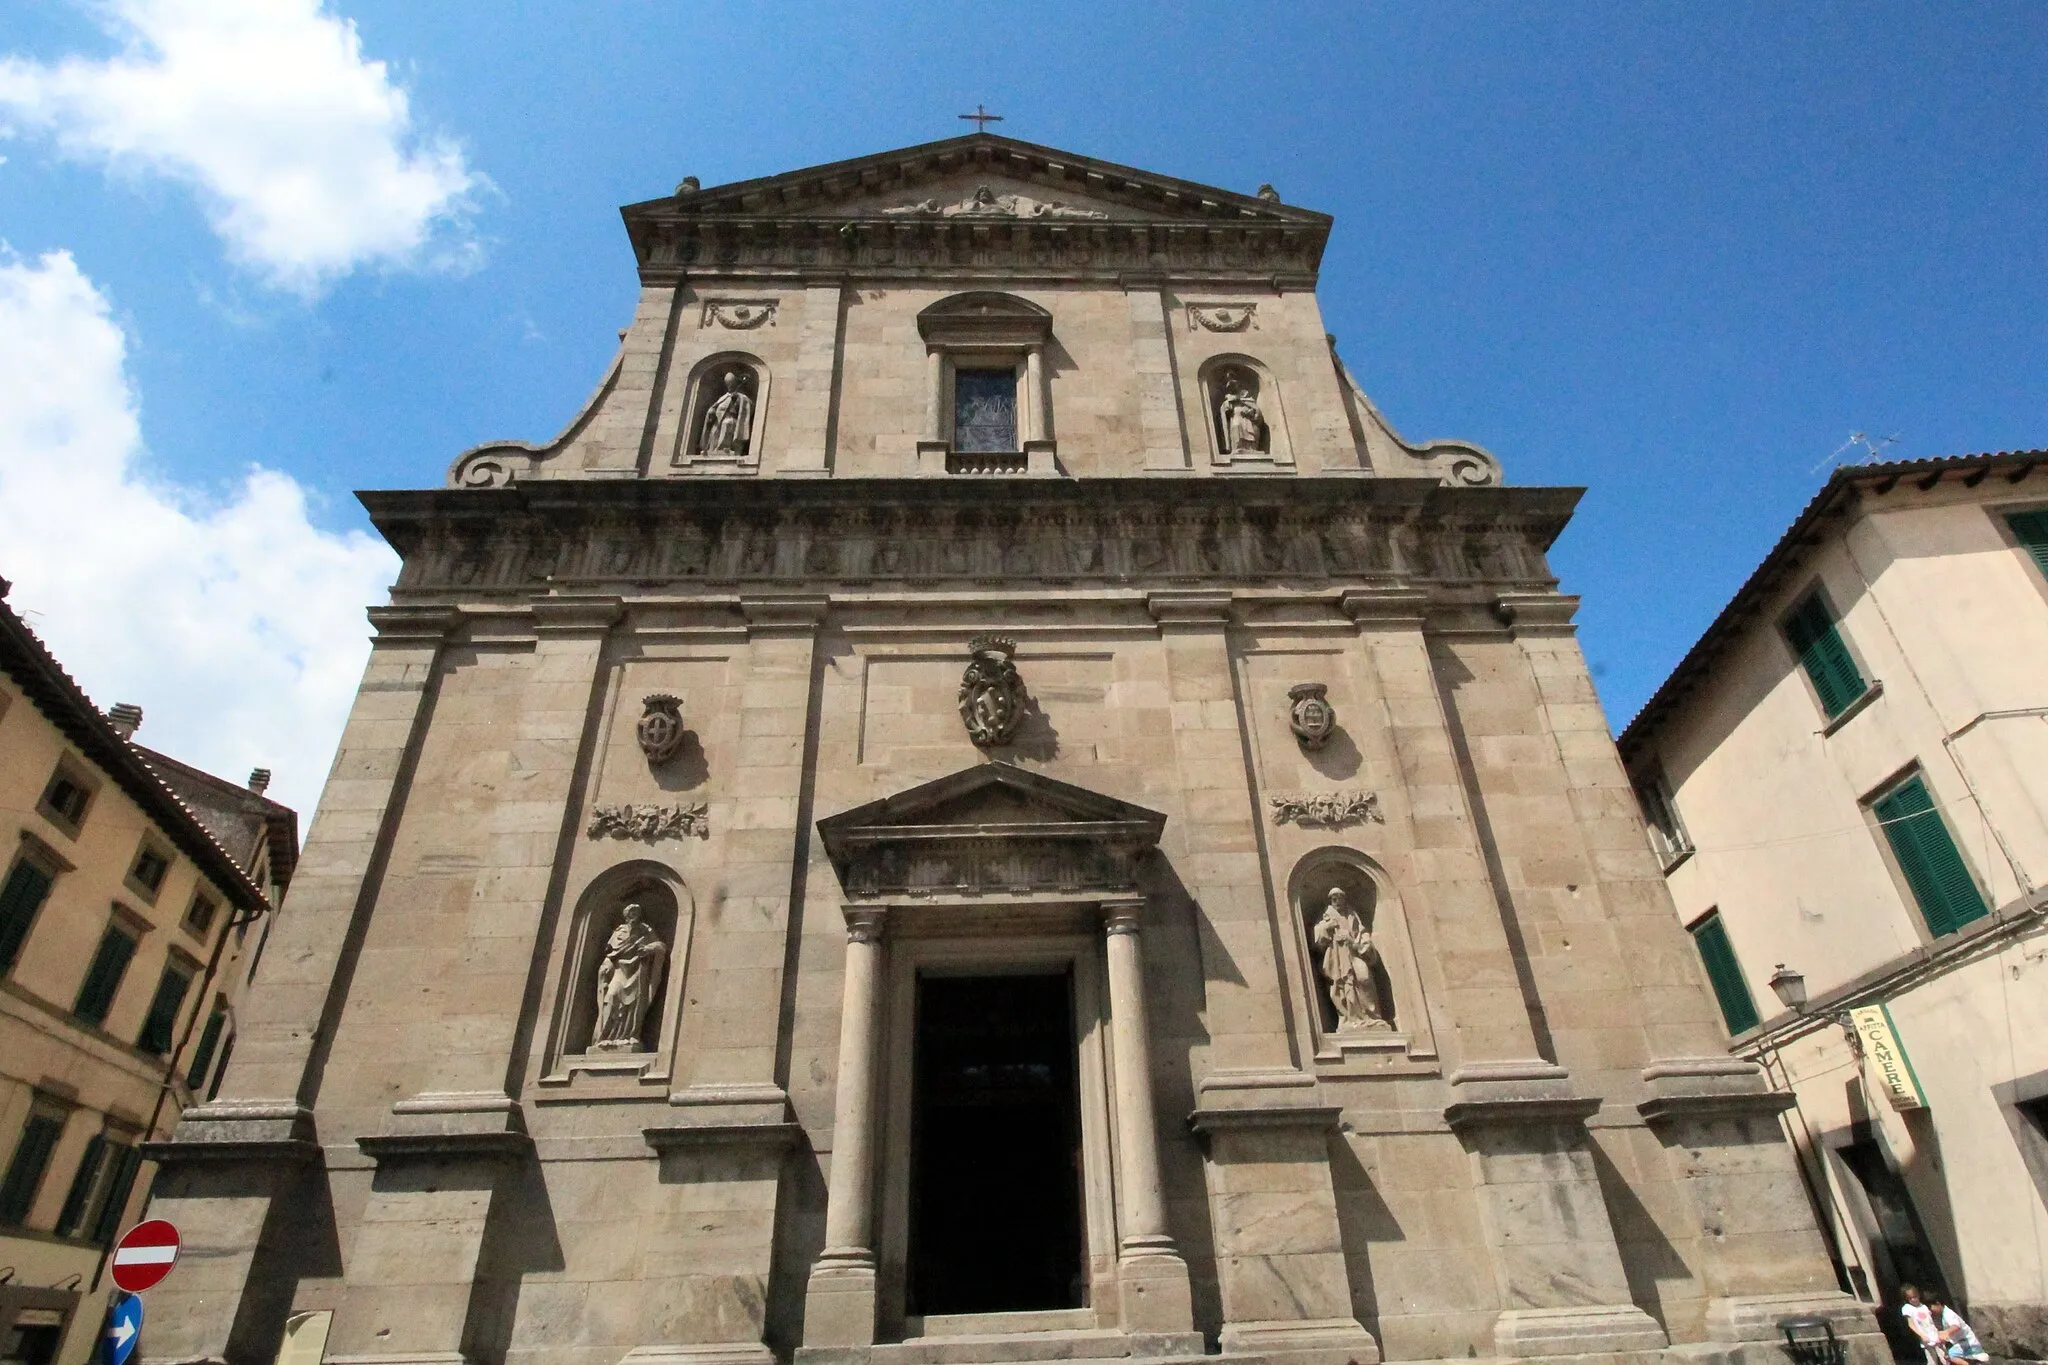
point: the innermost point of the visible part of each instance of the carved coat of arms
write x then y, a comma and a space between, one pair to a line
661, 727
1312, 717
991, 692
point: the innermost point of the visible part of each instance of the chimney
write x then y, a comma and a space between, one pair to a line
259, 780
127, 719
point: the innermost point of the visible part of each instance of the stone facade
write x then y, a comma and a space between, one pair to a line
987, 518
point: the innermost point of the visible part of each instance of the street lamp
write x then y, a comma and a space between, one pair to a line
1790, 987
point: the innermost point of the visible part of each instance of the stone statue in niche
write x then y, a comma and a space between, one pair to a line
991, 691
1238, 414
1347, 965
627, 979
729, 420
660, 730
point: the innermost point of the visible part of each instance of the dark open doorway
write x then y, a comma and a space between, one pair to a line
995, 1158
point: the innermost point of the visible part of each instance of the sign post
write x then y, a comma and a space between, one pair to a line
145, 1255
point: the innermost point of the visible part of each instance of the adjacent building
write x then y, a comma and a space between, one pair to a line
132, 904
979, 803
1846, 780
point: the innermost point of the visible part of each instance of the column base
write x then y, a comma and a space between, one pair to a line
1152, 1291
839, 1305
1586, 1330
1310, 1341
1754, 1317
716, 1353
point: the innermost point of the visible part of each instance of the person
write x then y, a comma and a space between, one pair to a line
1952, 1335
1919, 1319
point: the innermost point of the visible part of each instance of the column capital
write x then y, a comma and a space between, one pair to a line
865, 924
576, 615
784, 613
1384, 608
1120, 915
1189, 608
413, 625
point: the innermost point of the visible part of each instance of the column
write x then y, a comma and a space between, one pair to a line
839, 1307
1034, 394
931, 441
1151, 1277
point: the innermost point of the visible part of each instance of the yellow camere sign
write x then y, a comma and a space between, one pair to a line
1881, 1046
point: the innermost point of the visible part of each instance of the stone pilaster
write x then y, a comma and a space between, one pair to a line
227, 1160
739, 982
816, 384
1279, 1252
1159, 424
1555, 1259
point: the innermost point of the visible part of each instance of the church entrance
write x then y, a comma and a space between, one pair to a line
995, 1160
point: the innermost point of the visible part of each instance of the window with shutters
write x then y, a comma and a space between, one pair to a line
123, 1161
2030, 529
21, 896
146, 874
66, 796
199, 918
1738, 1006
209, 1040
1942, 887
103, 978
25, 1170
227, 1052
160, 1024
1816, 641
78, 1203
1660, 816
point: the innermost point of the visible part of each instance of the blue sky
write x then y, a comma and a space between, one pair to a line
1675, 254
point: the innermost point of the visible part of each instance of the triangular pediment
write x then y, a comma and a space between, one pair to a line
990, 828
977, 178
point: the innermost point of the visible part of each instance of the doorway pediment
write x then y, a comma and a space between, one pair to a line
991, 830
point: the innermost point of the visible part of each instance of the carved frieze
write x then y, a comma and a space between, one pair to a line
741, 315
1221, 317
532, 542
1330, 810
650, 823
986, 203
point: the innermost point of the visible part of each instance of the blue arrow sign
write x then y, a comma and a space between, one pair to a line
124, 1329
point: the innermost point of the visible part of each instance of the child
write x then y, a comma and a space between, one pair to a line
1958, 1342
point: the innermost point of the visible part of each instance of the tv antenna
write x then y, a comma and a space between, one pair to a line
1872, 449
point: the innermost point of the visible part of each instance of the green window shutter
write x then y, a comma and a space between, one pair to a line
1942, 886
1815, 639
2031, 530
80, 1197
28, 886
1726, 975
127, 1161
209, 1039
103, 977
161, 1023
25, 1172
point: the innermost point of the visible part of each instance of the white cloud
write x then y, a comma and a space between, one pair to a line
304, 154
235, 623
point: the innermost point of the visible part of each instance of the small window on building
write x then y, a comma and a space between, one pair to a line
150, 868
161, 1023
1660, 814
123, 1162
199, 918
1815, 639
2030, 529
78, 1203
103, 978
1738, 1007
1928, 858
25, 1170
21, 896
209, 1040
65, 798
984, 411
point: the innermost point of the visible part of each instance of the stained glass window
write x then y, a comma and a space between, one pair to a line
984, 410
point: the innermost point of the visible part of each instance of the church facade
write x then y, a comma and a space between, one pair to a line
980, 803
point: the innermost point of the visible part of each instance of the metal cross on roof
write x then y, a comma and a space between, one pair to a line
982, 118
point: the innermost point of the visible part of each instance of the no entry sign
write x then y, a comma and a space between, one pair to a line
145, 1255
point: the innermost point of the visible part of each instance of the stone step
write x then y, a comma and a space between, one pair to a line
1071, 1345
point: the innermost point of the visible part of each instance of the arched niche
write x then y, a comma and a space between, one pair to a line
1243, 413
1387, 1015
669, 912
726, 406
